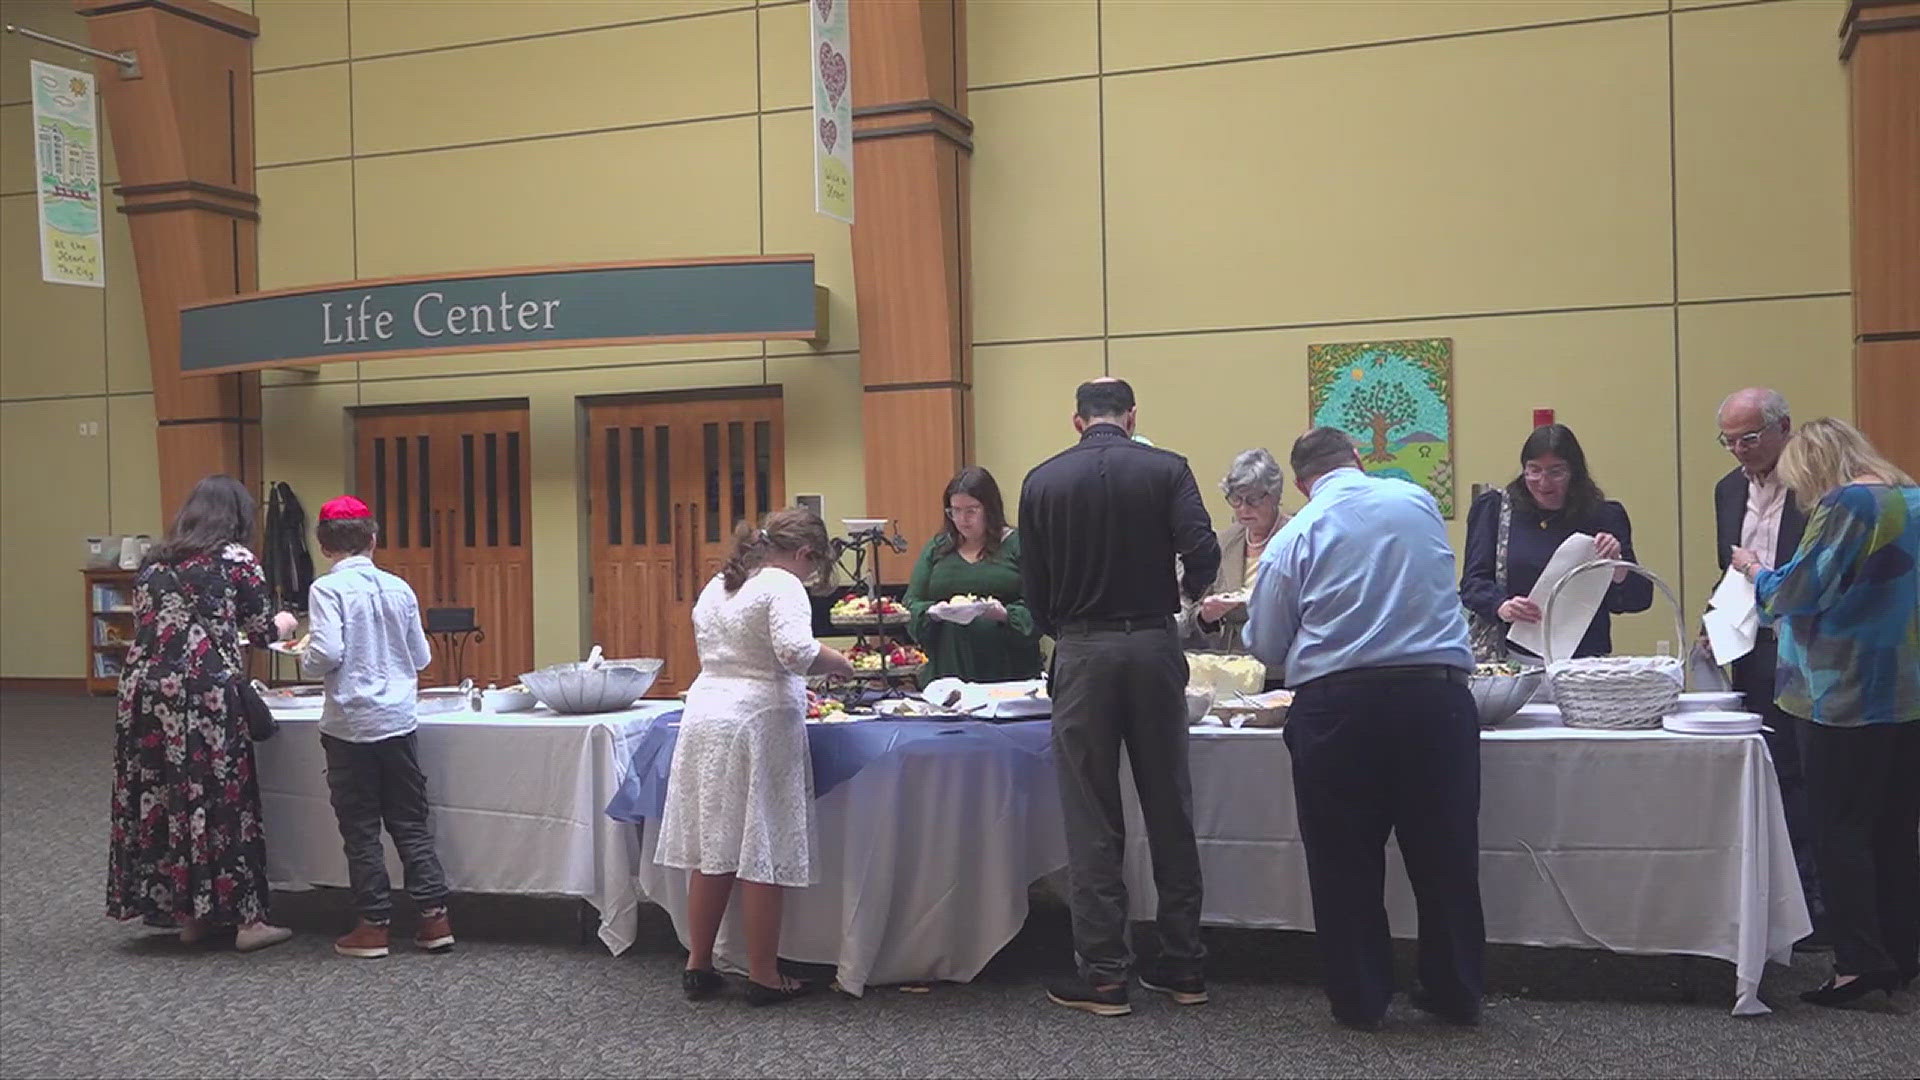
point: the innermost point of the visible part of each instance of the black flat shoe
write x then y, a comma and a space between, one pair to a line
701, 983
1835, 997
761, 994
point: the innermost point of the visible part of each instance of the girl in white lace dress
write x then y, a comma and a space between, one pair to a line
740, 795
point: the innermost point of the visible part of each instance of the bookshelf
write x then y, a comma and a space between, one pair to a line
109, 613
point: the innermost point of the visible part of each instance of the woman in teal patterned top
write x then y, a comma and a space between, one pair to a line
1847, 613
977, 555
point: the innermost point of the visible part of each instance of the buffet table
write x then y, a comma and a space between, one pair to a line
1631, 841
518, 807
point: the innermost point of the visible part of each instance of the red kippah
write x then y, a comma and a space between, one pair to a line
346, 506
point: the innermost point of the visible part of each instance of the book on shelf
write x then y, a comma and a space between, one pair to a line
106, 666
112, 598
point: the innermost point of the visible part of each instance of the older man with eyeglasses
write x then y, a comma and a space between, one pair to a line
1754, 510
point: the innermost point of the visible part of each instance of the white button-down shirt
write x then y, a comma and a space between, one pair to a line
368, 644
1760, 529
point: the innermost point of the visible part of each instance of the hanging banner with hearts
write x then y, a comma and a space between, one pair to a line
832, 110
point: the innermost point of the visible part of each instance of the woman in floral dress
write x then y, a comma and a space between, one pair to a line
187, 848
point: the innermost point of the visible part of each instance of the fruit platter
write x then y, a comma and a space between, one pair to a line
892, 658
868, 611
828, 709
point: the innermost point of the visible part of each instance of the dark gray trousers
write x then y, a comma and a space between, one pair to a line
372, 783
1114, 689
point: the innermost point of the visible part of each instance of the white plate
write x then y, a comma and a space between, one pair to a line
1713, 723
285, 648
1699, 701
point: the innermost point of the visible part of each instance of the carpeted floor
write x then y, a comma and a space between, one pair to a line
525, 996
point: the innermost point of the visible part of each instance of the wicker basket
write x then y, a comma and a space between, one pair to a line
1616, 692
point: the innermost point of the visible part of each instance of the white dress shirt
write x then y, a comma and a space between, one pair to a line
1760, 528
368, 644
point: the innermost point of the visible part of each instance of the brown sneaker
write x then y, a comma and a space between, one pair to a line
368, 941
435, 933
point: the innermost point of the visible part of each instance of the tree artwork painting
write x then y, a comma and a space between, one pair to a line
1395, 398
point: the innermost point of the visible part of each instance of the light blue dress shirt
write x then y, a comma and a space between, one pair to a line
1360, 578
368, 644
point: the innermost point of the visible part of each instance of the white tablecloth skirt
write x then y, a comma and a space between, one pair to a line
1635, 842
518, 799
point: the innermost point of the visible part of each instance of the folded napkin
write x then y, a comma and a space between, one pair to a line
1572, 610
1733, 618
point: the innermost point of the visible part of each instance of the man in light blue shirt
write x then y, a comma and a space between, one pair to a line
1355, 601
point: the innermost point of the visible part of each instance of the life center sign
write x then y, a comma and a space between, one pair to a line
746, 298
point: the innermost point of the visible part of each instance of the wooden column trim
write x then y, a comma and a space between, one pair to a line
912, 254
1880, 44
183, 134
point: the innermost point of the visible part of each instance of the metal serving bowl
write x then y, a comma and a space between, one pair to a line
578, 688
1498, 697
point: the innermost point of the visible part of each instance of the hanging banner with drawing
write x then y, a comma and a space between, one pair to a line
66, 141
832, 111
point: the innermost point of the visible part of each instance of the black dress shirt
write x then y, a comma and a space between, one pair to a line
1532, 539
1101, 524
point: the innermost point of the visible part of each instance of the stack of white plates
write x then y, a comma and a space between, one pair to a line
1710, 701
1712, 723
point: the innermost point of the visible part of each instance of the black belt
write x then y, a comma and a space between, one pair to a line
1405, 671
1123, 626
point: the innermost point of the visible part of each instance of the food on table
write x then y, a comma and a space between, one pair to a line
867, 608
1224, 674
1501, 668
893, 656
866, 660
906, 656
824, 708
909, 707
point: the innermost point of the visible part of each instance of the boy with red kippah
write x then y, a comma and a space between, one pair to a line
367, 643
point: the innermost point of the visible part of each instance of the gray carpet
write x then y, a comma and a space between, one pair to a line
524, 995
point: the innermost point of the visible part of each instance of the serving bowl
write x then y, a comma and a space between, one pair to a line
1498, 697
587, 688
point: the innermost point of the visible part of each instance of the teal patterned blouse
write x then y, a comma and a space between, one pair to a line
1847, 610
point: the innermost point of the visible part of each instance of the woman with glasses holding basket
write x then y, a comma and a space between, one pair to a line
1512, 534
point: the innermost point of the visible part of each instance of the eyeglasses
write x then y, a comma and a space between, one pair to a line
1556, 473
958, 512
1256, 498
1743, 442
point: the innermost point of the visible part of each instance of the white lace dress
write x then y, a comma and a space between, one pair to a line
740, 796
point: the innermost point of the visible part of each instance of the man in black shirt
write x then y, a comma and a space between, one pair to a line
1101, 525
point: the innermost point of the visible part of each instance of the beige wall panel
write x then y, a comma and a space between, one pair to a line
824, 452
1019, 40
792, 226
1142, 33
16, 135
53, 338
556, 360
1023, 407
306, 224
1492, 173
1036, 212
671, 192
299, 32
1802, 348
128, 366
1760, 123
55, 17
786, 40
53, 495
1211, 396
302, 115
577, 82
388, 26
135, 481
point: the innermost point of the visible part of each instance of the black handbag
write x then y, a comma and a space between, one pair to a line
242, 699
1489, 636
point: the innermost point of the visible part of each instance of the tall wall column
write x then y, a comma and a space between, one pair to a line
911, 263
1880, 42
183, 134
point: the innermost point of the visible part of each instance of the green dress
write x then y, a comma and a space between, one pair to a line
982, 650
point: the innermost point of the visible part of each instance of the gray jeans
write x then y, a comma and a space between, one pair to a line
372, 783
1114, 689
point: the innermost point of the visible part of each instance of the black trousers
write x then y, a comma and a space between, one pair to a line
1114, 689
371, 783
1401, 756
1753, 676
1863, 788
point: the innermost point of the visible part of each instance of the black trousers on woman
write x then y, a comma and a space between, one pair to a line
1863, 794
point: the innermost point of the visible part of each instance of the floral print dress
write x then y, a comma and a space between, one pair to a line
187, 839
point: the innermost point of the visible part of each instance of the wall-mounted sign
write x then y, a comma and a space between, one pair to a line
747, 298
832, 110
66, 144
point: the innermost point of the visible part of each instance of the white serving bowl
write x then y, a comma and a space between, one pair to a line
1498, 697
578, 688
505, 701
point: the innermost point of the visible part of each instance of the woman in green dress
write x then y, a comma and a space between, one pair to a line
976, 557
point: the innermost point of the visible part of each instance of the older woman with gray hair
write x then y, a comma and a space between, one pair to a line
1252, 486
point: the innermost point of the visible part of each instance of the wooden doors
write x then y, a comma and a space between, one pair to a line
449, 488
668, 479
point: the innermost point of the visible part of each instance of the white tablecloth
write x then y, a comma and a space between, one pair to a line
1636, 842
924, 861
518, 800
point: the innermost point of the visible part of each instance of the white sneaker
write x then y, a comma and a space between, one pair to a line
259, 936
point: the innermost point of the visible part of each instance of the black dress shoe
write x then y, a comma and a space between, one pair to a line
1457, 1015
1183, 989
1835, 997
1077, 993
762, 994
701, 983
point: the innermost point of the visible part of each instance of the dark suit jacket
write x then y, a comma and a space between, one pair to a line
1730, 511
